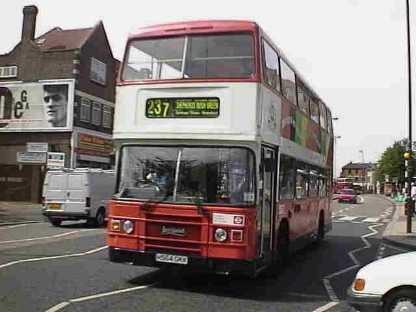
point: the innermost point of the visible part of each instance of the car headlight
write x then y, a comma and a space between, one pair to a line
359, 284
220, 235
128, 226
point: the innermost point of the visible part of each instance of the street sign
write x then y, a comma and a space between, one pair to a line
31, 158
37, 147
56, 161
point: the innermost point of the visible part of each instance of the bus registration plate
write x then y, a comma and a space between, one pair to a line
171, 258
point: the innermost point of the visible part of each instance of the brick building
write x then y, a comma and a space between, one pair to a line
362, 174
57, 89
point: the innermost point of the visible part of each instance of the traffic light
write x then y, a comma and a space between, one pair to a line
407, 155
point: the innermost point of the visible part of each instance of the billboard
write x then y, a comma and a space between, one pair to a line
38, 106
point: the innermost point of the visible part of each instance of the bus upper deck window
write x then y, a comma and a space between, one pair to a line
207, 56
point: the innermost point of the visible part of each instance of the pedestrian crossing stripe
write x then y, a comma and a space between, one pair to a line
349, 218
360, 219
372, 220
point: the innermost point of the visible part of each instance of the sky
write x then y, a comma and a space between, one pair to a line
352, 52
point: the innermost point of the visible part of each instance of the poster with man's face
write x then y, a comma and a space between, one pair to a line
36, 106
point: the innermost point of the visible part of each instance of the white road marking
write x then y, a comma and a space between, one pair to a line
45, 237
348, 218
5, 226
8, 264
58, 307
326, 307
19, 225
380, 252
371, 220
395, 248
326, 280
38, 238
301, 295
62, 305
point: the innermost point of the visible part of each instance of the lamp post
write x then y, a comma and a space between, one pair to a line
363, 170
409, 149
336, 137
334, 174
362, 155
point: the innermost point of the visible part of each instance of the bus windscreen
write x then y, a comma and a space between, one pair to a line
206, 175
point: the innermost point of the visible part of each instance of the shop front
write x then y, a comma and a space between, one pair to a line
22, 171
93, 149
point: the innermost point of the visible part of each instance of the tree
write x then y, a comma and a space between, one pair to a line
392, 163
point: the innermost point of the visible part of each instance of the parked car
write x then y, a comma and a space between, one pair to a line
77, 194
348, 195
387, 285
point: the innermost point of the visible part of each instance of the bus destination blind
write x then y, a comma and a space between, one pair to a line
203, 107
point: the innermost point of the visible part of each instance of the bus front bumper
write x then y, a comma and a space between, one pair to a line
220, 266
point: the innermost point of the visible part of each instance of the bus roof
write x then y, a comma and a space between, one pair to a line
212, 26
194, 27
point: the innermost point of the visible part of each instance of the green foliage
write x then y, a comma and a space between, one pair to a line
392, 162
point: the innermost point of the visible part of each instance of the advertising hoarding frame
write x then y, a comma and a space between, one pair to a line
41, 83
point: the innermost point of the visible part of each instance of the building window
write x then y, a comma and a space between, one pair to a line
96, 114
98, 71
8, 71
107, 116
271, 67
288, 82
85, 110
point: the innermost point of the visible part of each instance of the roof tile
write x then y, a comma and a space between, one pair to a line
59, 39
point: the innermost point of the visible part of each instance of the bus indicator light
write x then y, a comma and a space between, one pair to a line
115, 225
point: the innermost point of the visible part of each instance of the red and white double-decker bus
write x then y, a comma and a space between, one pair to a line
224, 152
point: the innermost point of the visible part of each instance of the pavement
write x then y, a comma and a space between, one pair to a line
19, 212
396, 231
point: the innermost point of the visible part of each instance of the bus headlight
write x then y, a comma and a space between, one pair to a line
220, 235
128, 226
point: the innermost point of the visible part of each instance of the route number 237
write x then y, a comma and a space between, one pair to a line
157, 108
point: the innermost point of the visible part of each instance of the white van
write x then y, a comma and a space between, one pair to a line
77, 194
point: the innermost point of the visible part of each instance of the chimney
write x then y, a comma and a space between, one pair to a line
29, 22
